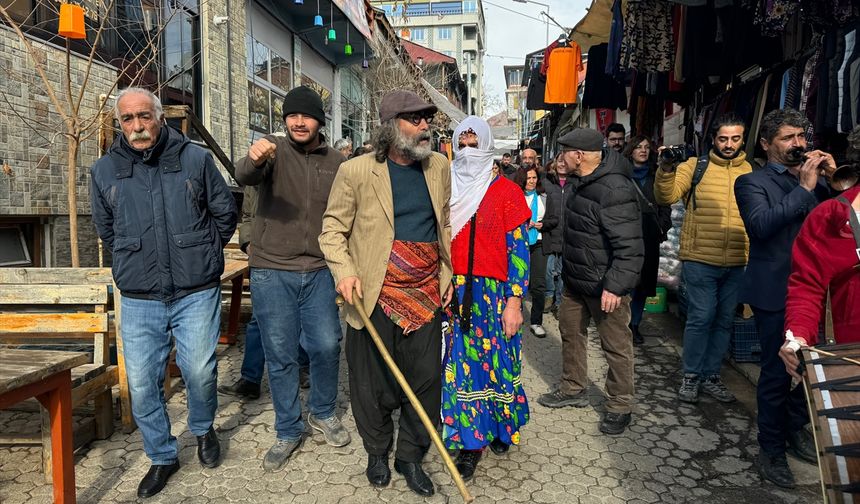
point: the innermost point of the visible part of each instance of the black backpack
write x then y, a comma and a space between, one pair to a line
698, 173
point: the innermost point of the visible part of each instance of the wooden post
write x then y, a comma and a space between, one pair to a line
58, 401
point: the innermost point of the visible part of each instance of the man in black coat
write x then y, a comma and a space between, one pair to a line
165, 212
603, 255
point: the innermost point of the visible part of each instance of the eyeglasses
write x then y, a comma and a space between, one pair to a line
415, 117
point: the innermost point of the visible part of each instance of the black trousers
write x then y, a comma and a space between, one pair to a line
537, 283
375, 394
781, 411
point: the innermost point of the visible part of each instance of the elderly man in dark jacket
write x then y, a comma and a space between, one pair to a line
165, 212
603, 255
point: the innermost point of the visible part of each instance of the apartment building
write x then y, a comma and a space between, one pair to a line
455, 28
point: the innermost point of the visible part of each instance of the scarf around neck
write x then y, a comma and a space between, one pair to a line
471, 172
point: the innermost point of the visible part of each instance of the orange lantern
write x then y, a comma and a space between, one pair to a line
72, 22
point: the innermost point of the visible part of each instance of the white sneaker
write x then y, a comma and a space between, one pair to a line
538, 331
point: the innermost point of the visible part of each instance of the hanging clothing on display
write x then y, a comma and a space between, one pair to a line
852, 53
647, 44
602, 90
562, 76
773, 15
616, 34
536, 89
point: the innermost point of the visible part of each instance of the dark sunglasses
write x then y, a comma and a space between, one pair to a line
415, 117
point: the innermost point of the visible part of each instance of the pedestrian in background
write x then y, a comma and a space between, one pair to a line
656, 222
543, 218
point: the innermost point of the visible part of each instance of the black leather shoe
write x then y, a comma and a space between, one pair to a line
416, 479
155, 479
802, 445
467, 462
378, 473
614, 423
242, 388
774, 468
209, 449
499, 447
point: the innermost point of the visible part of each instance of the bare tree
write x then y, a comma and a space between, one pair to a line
73, 120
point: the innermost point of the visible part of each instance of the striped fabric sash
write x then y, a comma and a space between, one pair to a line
410, 292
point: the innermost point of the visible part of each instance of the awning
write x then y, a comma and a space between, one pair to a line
441, 101
594, 28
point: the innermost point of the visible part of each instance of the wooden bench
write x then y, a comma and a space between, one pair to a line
49, 306
235, 272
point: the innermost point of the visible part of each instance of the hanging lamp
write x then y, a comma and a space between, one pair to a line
318, 20
332, 35
364, 62
299, 2
347, 49
71, 22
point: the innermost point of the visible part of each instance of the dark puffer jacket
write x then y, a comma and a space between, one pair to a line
603, 231
166, 215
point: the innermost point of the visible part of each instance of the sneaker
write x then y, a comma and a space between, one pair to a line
554, 311
774, 468
614, 423
242, 388
538, 331
279, 453
689, 391
558, 399
713, 386
333, 431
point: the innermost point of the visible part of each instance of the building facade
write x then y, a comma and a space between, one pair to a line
455, 28
230, 62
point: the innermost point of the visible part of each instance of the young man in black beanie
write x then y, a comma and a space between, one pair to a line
292, 290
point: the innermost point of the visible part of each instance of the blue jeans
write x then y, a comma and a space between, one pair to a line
554, 285
148, 327
712, 293
254, 358
298, 310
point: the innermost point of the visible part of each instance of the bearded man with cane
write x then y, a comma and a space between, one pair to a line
388, 220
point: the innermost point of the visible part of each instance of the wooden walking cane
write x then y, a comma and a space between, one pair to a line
401, 380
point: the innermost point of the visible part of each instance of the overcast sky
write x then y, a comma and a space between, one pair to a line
510, 36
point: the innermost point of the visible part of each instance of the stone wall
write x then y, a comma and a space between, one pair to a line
216, 73
88, 249
30, 141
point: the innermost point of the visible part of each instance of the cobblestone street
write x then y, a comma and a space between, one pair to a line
672, 452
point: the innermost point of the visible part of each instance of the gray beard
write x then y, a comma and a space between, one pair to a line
411, 148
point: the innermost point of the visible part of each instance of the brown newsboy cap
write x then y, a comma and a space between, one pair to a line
402, 102
584, 139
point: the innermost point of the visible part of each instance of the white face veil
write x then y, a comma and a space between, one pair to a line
471, 171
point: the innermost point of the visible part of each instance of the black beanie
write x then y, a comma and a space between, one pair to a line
304, 100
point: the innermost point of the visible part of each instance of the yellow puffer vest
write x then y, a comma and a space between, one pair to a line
713, 233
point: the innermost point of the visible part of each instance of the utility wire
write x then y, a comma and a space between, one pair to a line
515, 12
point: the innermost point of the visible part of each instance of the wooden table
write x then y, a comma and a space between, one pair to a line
235, 271
46, 376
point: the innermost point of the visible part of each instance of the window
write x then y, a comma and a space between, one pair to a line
270, 76
470, 32
445, 8
443, 33
470, 6
181, 60
448, 53
418, 9
351, 103
418, 34
13, 247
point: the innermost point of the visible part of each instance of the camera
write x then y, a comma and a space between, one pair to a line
674, 154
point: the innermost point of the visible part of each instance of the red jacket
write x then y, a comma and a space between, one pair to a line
824, 254
502, 209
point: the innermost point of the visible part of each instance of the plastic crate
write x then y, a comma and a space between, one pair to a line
745, 346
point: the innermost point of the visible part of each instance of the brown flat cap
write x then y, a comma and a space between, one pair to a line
402, 102
584, 139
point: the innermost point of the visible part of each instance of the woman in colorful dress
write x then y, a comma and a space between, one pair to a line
483, 402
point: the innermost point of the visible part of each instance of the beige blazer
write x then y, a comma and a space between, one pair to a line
358, 224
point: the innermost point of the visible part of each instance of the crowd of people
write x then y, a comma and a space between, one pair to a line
441, 255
